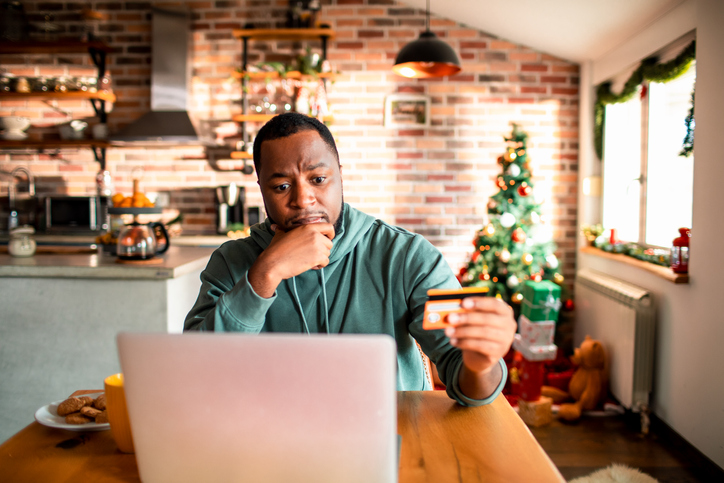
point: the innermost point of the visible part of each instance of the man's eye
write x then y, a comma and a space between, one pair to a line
282, 187
319, 179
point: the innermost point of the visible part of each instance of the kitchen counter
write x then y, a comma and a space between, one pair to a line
60, 314
176, 262
89, 240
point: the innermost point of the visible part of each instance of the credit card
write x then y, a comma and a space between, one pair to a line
441, 302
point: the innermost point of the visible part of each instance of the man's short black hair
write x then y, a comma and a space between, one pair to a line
287, 124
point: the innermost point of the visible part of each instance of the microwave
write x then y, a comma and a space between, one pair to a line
75, 214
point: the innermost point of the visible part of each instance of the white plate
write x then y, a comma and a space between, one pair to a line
48, 416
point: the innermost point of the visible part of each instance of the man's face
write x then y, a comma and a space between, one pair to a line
300, 180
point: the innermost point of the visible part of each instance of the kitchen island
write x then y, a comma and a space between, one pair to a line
60, 313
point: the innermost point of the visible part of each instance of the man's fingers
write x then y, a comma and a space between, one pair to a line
487, 304
488, 332
326, 229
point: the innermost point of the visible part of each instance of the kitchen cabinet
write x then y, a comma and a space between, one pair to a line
304, 35
99, 99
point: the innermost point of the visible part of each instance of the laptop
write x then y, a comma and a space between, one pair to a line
261, 408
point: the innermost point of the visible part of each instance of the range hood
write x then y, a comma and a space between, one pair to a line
168, 122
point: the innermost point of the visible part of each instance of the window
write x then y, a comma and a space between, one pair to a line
647, 186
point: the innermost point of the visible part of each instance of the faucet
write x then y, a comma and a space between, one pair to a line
13, 219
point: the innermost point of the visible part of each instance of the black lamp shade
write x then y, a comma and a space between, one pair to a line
427, 56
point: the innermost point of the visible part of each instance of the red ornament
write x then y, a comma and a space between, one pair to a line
680, 252
476, 254
463, 271
537, 277
518, 235
569, 305
524, 190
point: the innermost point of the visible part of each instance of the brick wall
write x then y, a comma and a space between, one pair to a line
435, 181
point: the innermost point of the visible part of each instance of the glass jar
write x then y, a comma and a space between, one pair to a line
21, 242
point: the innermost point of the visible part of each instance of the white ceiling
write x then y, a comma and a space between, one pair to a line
575, 30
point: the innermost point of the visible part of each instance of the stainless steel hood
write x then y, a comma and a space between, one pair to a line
168, 121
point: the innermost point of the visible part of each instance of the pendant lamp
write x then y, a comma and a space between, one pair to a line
427, 56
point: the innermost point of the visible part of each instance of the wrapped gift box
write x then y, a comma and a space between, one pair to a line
534, 352
530, 374
536, 413
541, 300
536, 333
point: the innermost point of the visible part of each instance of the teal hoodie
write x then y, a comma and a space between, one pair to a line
376, 283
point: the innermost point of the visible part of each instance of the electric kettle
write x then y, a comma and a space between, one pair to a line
138, 241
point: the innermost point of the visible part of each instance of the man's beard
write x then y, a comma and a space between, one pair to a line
337, 224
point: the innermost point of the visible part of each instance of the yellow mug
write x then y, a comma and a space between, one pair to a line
118, 413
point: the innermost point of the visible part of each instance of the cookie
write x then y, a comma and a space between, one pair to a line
77, 418
87, 400
90, 412
102, 417
100, 402
70, 405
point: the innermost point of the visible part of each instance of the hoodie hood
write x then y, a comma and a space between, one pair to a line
355, 225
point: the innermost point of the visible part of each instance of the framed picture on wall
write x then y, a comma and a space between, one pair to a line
407, 110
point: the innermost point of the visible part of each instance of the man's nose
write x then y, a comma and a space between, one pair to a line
303, 196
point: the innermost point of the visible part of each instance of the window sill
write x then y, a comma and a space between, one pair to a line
658, 270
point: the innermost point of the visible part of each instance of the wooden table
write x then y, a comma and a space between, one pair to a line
441, 441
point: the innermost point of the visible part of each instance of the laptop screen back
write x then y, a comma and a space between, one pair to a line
261, 408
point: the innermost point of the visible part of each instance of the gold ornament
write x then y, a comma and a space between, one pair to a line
527, 258
517, 297
558, 278
505, 256
489, 230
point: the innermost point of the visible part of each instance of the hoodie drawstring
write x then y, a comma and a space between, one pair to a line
324, 298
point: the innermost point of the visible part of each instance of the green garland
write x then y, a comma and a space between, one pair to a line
651, 70
688, 145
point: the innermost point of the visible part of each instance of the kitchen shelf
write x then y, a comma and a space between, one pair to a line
42, 96
267, 117
294, 74
55, 143
241, 155
53, 47
245, 35
284, 34
97, 51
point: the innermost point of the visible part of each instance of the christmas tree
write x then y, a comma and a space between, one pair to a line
514, 246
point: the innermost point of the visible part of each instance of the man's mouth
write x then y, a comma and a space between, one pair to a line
308, 220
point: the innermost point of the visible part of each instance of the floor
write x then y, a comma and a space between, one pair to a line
598, 441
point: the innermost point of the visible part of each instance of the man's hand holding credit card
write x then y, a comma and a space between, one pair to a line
441, 302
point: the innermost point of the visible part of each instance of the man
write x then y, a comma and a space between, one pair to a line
318, 265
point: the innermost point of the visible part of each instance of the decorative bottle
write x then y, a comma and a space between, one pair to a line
680, 251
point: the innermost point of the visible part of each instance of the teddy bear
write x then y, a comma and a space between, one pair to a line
588, 385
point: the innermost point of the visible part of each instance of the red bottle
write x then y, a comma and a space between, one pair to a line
680, 252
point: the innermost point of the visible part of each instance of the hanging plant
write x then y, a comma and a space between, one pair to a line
649, 70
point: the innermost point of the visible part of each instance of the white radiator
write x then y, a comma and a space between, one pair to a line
621, 316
